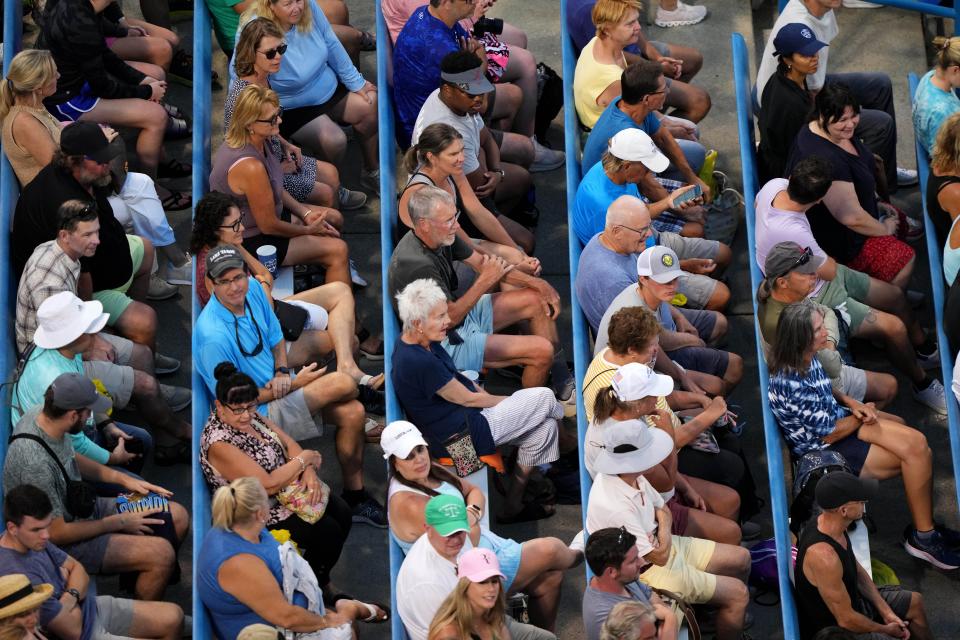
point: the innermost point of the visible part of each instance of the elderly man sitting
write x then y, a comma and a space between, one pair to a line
429, 251
608, 263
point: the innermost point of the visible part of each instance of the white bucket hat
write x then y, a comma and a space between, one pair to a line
399, 438
628, 448
63, 317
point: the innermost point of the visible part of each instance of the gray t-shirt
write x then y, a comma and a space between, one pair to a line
630, 297
597, 605
413, 260
28, 463
469, 126
603, 273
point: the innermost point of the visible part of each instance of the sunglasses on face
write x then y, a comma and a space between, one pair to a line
272, 121
270, 54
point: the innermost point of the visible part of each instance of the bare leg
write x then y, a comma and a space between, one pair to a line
156, 51
138, 323
544, 594
322, 138
901, 450
333, 395
362, 115
505, 106
902, 279
540, 555
516, 149
149, 117
687, 100
337, 299
521, 71
710, 526
891, 331
160, 620
166, 425
150, 556
721, 500
881, 388
731, 564
917, 615
329, 252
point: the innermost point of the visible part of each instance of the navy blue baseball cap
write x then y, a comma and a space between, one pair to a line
796, 38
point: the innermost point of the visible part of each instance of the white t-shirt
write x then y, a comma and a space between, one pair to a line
614, 503
469, 126
424, 581
777, 225
825, 29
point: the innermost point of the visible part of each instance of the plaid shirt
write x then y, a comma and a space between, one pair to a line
48, 271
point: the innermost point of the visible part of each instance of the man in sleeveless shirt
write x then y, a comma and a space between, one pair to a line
832, 587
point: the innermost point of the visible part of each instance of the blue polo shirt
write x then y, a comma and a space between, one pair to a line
421, 45
612, 121
216, 332
595, 193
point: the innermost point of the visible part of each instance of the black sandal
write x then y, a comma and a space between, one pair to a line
177, 128
176, 201
179, 453
173, 168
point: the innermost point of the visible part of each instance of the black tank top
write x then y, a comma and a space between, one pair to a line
465, 222
811, 609
941, 219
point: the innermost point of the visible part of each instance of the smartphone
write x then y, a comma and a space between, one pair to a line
691, 194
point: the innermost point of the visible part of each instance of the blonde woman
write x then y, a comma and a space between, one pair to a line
245, 168
20, 613
596, 81
240, 575
943, 185
935, 99
475, 610
320, 87
259, 54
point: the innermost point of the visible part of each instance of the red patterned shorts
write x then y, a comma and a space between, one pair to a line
882, 257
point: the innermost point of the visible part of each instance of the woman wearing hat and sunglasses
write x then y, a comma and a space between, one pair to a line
533, 566
19, 607
477, 606
700, 508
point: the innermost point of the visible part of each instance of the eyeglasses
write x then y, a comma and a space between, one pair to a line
235, 226
270, 54
232, 281
236, 332
273, 120
642, 230
449, 224
801, 260
245, 409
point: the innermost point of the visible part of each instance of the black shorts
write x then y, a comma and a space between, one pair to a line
295, 119
854, 450
253, 243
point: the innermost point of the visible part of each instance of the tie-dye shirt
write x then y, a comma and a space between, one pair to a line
804, 407
931, 106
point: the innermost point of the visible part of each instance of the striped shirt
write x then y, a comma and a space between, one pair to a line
804, 407
48, 271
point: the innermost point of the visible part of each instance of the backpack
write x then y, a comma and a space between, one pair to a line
549, 99
810, 468
763, 565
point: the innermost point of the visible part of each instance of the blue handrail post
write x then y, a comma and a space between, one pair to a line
200, 159
913, 5
775, 470
9, 189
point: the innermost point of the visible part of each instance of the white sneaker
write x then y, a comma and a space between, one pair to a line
545, 159
160, 289
859, 4
181, 275
577, 544
932, 397
684, 15
906, 177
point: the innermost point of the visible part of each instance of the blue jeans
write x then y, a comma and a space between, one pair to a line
132, 468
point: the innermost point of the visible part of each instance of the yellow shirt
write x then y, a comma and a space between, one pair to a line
590, 79
600, 375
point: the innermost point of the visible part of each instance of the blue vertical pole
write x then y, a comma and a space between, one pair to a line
9, 190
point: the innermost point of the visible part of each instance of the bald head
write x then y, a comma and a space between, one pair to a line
628, 211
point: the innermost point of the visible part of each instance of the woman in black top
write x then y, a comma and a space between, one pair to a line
786, 103
943, 185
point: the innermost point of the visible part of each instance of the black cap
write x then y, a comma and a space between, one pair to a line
221, 259
87, 139
840, 487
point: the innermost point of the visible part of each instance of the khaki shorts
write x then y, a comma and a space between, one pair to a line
292, 415
684, 573
116, 301
114, 618
848, 288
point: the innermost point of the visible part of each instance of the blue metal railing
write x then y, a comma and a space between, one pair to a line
581, 336
915, 5
775, 471
388, 222
202, 64
9, 190
935, 255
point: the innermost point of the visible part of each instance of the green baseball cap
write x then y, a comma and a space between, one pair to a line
447, 514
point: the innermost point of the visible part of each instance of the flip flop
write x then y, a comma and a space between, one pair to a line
531, 511
372, 608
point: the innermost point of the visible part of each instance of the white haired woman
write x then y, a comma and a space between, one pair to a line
446, 405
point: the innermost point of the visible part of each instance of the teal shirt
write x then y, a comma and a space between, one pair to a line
43, 367
225, 21
931, 106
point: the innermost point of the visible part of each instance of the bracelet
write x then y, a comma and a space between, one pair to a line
303, 465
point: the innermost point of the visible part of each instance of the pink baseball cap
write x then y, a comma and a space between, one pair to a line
477, 565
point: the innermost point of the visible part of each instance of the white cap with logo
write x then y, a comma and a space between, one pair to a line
660, 264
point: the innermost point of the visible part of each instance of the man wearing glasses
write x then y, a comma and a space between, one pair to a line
608, 264
239, 326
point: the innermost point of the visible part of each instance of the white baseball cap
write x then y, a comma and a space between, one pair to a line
635, 381
63, 317
660, 264
399, 438
636, 146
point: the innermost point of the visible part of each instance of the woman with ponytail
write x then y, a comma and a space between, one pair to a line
935, 99
700, 508
437, 160
240, 574
237, 442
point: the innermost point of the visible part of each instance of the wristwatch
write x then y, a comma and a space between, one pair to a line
75, 594
284, 370
503, 174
